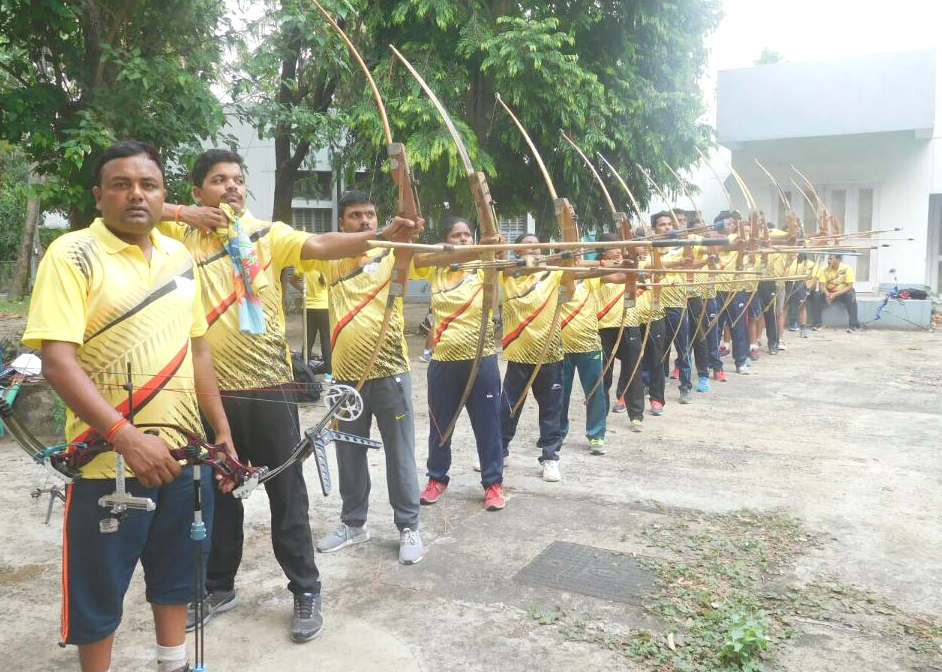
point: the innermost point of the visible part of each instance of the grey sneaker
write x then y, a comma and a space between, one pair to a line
411, 549
345, 535
308, 621
216, 602
685, 396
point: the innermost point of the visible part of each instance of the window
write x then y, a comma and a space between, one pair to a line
511, 227
315, 220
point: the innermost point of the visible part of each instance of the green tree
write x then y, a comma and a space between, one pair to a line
284, 83
14, 174
620, 77
768, 57
79, 75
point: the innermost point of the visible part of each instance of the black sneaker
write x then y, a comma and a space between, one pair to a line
308, 621
216, 602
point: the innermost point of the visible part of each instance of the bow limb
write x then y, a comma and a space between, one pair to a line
566, 221
407, 201
620, 220
487, 222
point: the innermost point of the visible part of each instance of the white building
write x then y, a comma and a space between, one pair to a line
865, 131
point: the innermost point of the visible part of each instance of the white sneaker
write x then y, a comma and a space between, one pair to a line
476, 462
551, 471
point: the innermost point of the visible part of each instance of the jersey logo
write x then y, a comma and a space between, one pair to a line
400, 417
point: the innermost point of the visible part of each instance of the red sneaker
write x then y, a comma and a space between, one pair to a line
675, 374
719, 375
494, 497
432, 492
657, 408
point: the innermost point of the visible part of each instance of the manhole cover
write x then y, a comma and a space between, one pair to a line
597, 572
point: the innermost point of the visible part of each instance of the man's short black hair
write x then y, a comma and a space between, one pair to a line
608, 237
352, 197
124, 149
657, 215
210, 158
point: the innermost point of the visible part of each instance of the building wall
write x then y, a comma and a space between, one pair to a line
899, 166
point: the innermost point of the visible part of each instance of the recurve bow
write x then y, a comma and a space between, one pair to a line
407, 201
630, 263
487, 222
566, 221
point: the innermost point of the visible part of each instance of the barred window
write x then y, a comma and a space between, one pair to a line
315, 220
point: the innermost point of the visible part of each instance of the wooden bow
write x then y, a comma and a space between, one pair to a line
407, 201
630, 262
487, 222
566, 221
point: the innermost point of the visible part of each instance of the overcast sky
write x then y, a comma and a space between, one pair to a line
807, 30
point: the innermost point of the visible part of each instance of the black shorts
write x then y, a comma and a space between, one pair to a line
97, 568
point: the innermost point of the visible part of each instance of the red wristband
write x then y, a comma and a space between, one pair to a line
121, 422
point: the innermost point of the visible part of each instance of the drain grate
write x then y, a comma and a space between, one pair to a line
587, 570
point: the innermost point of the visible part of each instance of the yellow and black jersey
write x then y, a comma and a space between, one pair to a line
646, 309
673, 297
836, 279
457, 304
529, 302
243, 360
578, 321
358, 290
611, 304
315, 289
97, 291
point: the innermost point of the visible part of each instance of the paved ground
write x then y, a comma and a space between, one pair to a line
839, 434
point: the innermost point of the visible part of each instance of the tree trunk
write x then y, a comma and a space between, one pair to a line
18, 285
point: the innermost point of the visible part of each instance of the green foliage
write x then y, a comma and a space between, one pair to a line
620, 77
745, 639
16, 306
14, 173
768, 57
78, 76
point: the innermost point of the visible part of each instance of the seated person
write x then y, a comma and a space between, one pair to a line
837, 284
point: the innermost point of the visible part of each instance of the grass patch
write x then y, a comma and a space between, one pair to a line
15, 307
725, 602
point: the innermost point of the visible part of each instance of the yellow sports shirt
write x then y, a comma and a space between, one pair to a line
243, 360
529, 301
97, 291
359, 287
611, 300
673, 297
578, 321
457, 304
835, 279
315, 289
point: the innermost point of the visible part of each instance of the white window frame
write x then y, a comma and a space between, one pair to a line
849, 223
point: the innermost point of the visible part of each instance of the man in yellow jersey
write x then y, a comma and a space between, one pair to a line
114, 294
732, 315
359, 287
247, 338
582, 351
629, 391
651, 314
316, 315
675, 301
529, 301
837, 286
